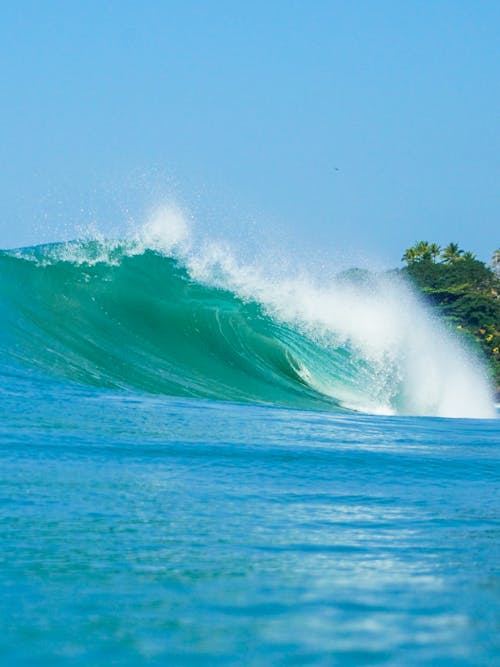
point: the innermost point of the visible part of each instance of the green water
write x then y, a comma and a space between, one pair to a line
184, 480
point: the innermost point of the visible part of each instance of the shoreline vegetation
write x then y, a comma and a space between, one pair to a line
464, 290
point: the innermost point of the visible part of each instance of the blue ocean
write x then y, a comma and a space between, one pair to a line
207, 462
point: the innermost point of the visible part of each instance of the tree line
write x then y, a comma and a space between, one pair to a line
431, 252
464, 290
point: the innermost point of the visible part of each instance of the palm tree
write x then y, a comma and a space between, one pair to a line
451, 253
435, 250
410, 256
469, 255
423, 249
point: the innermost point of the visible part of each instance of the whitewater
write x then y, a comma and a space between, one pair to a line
211, 459
160, 313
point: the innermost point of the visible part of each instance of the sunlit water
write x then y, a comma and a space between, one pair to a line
191, 472
141, 530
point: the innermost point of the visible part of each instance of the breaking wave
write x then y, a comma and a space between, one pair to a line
157, 314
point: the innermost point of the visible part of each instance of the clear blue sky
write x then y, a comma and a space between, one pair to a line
343, 124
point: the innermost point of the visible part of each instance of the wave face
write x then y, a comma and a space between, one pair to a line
163, 318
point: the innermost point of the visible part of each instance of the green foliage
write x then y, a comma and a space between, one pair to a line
467, 273
476, 310
464, 290
422, 251
451, 253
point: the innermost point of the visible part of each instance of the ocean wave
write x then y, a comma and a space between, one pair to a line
155, 313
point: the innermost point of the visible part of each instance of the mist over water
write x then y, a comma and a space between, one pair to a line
171, 312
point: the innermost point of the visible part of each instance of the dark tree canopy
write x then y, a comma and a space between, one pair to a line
463, 289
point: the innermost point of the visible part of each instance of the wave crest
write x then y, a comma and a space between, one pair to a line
153, 313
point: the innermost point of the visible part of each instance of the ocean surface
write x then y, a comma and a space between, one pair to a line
205, 464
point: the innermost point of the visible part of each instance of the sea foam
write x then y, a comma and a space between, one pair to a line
365, 340
417, 366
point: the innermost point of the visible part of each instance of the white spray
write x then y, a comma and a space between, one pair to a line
410, 363
418, 367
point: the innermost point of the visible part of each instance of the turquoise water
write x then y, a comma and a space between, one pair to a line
165, 501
